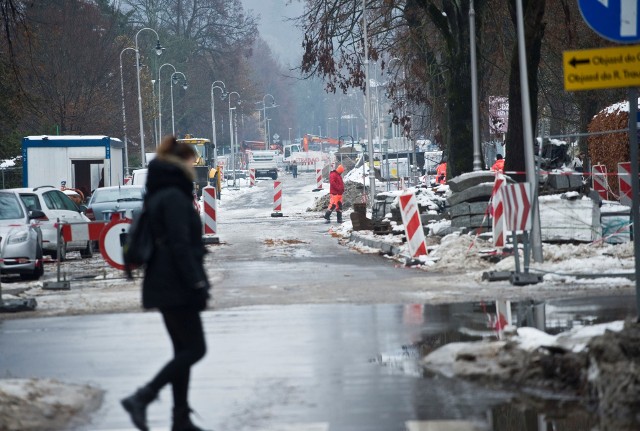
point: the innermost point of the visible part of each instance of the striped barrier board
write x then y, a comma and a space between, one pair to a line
277, 199
517, 206
624, 183
252, 177
600, 184
412, 225
210, 210
89, 231
318, 179
497, 211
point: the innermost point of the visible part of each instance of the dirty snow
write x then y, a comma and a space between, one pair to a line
51, 404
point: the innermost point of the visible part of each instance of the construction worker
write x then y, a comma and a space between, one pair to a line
498, 166
441, 172
336, 189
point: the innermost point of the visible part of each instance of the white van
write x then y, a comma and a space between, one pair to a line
139, 177
265, 163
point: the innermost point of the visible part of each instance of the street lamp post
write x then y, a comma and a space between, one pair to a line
160, 97
477, 165
372, 174
174, 80
266, 125
213, 119
158, 49
124, 117
232, 144
290, 135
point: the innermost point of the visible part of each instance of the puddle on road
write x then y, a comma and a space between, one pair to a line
438, 325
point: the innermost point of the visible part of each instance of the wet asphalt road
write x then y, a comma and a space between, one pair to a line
305, 368
282, 366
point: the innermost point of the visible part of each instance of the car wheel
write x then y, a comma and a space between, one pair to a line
38, 270
63, 251
87, 253
274, 176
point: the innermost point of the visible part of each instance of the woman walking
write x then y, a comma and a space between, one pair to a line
175, 281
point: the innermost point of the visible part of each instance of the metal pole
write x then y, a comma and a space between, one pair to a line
477, 165
173, 123
213, 121
140, 92
155, 119
372, 174
266, 132
635, 186
160, 97
124, 117
536, 235
233, 147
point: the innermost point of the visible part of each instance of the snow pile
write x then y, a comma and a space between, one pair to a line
457, 252
34, 405
360, 175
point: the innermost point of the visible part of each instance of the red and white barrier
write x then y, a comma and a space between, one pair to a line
252, 177
277, 199
318, 179
210, 210
412, 225
89, 231
497, 211
600, 184
624, 183
517, 206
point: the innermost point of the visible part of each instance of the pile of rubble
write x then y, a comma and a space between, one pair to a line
353, 194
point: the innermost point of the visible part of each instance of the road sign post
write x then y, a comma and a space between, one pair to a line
616, 20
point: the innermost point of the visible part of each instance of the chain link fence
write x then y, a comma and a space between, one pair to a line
11, 177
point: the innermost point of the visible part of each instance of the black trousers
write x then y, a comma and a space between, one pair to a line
187, 335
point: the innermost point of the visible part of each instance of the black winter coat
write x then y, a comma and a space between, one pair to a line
175, 276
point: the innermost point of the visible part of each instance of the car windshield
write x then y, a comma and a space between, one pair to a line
10, 207
114, 195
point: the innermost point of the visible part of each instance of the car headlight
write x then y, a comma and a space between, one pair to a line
19, 237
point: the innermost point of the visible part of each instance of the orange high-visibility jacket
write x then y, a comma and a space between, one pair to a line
441, 173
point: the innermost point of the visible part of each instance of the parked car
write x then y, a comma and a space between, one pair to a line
20, 238
56, 206
116, 199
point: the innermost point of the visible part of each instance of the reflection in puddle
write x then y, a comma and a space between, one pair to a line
527, 409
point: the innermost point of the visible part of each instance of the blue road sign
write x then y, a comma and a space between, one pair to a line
616, 20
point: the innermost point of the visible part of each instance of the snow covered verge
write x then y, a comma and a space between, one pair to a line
598, 366
45, 405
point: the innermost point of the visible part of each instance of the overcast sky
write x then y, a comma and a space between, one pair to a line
282, 36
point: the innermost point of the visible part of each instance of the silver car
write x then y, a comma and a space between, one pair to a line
105, 201
56, 206
20, 238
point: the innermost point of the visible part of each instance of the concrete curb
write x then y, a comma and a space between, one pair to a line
374, 243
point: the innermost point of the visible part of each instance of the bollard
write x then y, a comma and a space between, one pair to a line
277, 199
252, 177
318, 180
497, 216
58, 284
210, 224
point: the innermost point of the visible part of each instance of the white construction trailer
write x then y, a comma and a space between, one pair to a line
83, 162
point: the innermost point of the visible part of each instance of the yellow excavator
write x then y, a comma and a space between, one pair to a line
206, 173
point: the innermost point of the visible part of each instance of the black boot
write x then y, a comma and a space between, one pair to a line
327, 216
339, 216
136, 406
181, 421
